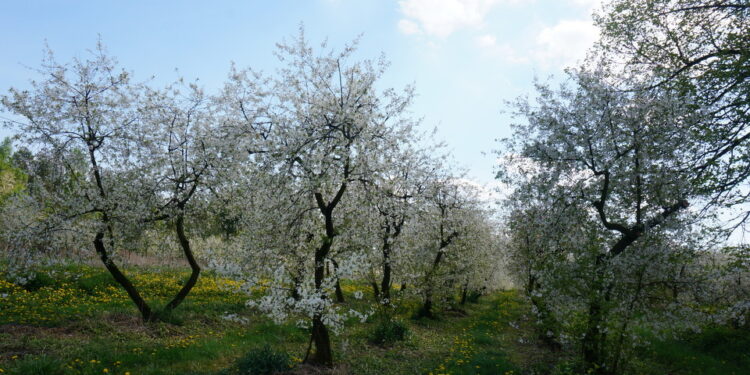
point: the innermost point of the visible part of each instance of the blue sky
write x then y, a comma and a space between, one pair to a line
466, 57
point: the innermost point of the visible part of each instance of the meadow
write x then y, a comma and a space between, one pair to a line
75, 320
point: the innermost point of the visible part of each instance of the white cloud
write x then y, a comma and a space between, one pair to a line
486, 41
562, 44
443, 17
408, 27
488, 44
565, 43
587, 4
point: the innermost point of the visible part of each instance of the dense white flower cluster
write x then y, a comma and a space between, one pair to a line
601, 231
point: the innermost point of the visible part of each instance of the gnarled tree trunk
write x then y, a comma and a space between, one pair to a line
195, 268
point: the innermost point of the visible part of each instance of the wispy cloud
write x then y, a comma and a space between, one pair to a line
441, 18
488, 44
565, 43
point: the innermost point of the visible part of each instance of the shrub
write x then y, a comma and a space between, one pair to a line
387, 331
38, 281
473, 296
264, 361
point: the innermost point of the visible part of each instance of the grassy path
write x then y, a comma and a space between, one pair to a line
75, 321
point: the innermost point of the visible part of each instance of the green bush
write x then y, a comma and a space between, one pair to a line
473, 296
264, 361
387, 331
38, 281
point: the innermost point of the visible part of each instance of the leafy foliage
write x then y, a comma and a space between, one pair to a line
264, 361
387, 331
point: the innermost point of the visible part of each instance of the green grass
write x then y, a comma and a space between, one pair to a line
94, 329
716, 351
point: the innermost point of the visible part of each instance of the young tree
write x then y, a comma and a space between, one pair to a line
617, 158
86, 108
442, 220
395, 196
112, 158
179, 145
325, 130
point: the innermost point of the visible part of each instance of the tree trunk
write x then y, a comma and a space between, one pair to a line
426, 310
592, 341
319, 335
323, 354
375, 291
385, 284
121, 279
339, 292
595, 339
403, 287
464, 292
196, 270
549, 324
297, 280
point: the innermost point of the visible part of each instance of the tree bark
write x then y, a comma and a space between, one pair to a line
323, 354
321, 338
426, 310
464, 292
593, 343
121, 279
339, 293
196, 270
385, 284
375, 291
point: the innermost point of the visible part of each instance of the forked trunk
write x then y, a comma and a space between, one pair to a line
196, 270
121, 279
